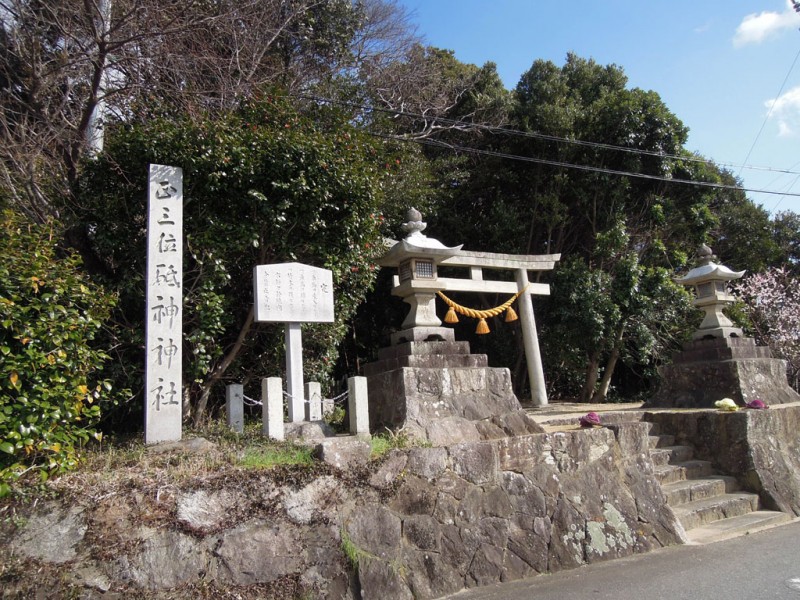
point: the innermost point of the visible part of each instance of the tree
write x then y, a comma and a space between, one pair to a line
772, 303
624, 234
262, 185
428, 92
64, 61
786, 227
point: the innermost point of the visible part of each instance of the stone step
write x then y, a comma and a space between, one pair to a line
671, 455
661, 441
423, 349
735, 526
681, 492
427, 361
698, 513
653, 429
690, 469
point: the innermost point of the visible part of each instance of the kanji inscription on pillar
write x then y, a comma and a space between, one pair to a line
164, 319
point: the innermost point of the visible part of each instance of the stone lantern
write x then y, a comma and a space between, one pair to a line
416, 258
719, 362
710, 282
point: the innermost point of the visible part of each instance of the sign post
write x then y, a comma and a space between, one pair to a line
293, 293
164, 312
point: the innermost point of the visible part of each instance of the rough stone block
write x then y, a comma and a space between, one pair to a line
475, 462
375, 530
530, 547
517, 423
416, 496
429, 575
316, 500
416, 385
427, 462
166, 560
423, 532
448, 431
488, 431
379, 579
709, 370
343, 453
204, 511
52, 536
390, 470
487, 567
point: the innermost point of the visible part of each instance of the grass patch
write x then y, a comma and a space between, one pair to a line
274, 455
382, 443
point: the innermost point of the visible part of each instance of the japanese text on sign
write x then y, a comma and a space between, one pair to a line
164, 325
293, 293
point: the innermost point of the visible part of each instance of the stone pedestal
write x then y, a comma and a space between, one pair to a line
712, 369
438, 391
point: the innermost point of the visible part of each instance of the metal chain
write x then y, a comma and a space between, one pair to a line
251, 402
335, 400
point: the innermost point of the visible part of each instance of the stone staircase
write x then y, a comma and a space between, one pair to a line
711, 507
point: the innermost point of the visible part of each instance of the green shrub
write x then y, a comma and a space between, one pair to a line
49, 391
262, 185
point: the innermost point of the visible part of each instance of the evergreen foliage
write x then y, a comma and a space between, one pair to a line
51, 386
263, 185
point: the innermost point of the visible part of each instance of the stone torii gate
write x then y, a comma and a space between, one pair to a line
417, 257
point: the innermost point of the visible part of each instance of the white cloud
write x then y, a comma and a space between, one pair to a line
755, 28
786, 110
702, 28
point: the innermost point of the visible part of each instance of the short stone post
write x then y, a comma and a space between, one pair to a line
313, 401
272, 408
328, 406
358, 406
234, 407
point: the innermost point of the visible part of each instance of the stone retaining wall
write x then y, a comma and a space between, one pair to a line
480, 513
423, 523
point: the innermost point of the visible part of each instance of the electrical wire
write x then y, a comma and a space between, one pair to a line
566, 165
543, 136
769, 112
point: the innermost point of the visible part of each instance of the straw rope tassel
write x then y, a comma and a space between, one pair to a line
481, 315
482, 328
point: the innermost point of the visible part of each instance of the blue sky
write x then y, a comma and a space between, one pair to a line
718, 65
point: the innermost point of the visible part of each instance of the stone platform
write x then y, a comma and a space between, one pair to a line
711, 369
438, 391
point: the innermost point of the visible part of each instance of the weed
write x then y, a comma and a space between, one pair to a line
389, 440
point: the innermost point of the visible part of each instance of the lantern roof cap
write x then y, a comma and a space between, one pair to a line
416, 244
708, 270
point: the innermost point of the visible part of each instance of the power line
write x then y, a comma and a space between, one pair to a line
769, 112
790, 186
543, 136
554, 163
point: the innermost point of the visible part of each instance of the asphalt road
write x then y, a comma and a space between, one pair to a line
762, 565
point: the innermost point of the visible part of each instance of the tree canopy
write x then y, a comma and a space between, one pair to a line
263, 185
